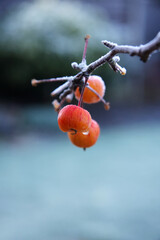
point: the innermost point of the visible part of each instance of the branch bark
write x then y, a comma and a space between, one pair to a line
143, 51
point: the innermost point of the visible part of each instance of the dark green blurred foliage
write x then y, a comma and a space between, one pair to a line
40, 39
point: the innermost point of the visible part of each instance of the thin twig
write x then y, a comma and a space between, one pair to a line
35, 82
106, 104
60, 89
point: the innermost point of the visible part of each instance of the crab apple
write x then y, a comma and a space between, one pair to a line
85, 140
97, 84
72, 118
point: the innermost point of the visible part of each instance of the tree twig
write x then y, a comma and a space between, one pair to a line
72, 82
143, 51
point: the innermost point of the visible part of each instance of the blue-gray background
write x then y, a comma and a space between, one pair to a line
49, 189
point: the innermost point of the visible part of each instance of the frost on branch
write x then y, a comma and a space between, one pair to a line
66, 91
142, 51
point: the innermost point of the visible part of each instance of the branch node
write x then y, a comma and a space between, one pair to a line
109, 44
34, 82
69, 97
116, 59
122, 70
107, 106
75, 65
56, 105
87, 37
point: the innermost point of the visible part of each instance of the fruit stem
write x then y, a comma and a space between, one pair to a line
85, 47
80, 103
106, 104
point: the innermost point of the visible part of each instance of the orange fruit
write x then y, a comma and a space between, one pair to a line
97, 84
74, 118
87, 139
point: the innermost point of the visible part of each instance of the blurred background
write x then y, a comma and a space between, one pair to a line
49, 189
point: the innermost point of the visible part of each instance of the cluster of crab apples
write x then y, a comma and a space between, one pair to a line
76, 121
82, 130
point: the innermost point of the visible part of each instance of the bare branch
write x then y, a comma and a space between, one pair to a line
66, 90
143, 51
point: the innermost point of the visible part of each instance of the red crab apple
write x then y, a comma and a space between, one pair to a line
88, 139
97, 84
72, 118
